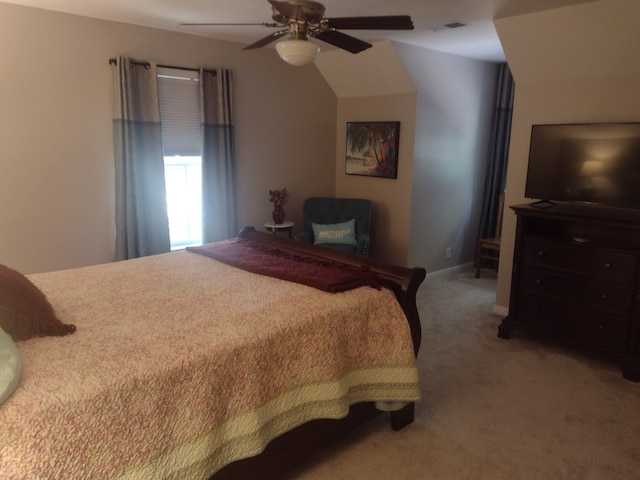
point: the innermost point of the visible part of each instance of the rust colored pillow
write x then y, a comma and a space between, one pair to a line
25, 312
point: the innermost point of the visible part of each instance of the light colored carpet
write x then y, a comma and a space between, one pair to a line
496, 409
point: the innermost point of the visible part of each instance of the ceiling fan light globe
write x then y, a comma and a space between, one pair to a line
297, 52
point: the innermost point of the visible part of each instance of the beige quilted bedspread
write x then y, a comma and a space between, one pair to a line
181, 364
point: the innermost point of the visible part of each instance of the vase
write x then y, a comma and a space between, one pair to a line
278, 215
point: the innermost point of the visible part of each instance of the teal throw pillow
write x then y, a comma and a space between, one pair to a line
10, 366
336, 233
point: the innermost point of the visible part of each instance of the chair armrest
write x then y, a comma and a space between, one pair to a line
363, 244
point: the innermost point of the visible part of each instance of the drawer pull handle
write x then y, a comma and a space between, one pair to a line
607, 265
580, 240
540, 253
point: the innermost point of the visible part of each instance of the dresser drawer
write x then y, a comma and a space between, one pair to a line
605, 330
601, 296
602, 264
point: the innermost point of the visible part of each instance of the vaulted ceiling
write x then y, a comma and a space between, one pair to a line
474, 34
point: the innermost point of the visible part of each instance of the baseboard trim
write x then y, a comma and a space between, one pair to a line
450, 272
501, 310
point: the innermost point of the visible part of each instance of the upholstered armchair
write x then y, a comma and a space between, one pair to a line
338, 223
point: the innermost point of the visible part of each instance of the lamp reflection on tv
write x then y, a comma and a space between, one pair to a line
596, 185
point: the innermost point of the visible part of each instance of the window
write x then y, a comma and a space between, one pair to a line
183, 180
179, 95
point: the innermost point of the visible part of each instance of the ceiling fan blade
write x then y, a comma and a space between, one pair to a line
342, 40
263, 24
267, 40
390, 22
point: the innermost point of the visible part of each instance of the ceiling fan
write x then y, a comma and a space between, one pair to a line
301, 19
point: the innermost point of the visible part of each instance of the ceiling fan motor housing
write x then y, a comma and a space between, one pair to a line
302, 10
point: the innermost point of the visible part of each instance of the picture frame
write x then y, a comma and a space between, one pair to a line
372, 149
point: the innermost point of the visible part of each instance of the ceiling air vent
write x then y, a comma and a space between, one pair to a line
455, 25
447, 26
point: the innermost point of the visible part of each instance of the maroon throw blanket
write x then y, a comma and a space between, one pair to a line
265, 260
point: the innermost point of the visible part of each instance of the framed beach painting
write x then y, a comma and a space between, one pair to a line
372, 149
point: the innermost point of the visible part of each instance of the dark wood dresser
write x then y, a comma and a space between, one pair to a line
576, 279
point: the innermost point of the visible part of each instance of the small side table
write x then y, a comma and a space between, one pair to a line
285, 226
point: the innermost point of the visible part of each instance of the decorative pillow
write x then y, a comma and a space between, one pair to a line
25, 312
341, 233
10, 366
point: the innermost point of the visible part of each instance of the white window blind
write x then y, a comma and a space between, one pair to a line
179, 93
179, 96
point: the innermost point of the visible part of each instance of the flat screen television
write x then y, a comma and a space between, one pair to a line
591, 164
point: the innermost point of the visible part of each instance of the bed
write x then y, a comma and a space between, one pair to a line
192, 365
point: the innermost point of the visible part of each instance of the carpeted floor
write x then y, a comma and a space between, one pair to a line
496, 409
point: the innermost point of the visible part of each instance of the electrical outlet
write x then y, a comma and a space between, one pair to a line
448, 252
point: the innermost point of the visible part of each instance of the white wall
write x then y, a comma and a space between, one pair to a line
454, 112
585, 68
56, 165
444, 103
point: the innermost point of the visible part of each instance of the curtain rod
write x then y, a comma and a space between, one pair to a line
112, 61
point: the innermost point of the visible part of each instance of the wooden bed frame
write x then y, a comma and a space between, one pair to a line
299, 444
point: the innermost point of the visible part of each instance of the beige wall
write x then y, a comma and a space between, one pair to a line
391, 197
585, 68
56, 175
374, 87
56, 180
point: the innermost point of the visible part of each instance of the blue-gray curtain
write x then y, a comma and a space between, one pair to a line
142, 224
218, 156
496, 175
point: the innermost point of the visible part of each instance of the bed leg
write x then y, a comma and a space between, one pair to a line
403, 417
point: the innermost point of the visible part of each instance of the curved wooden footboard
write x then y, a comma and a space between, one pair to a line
298, 444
